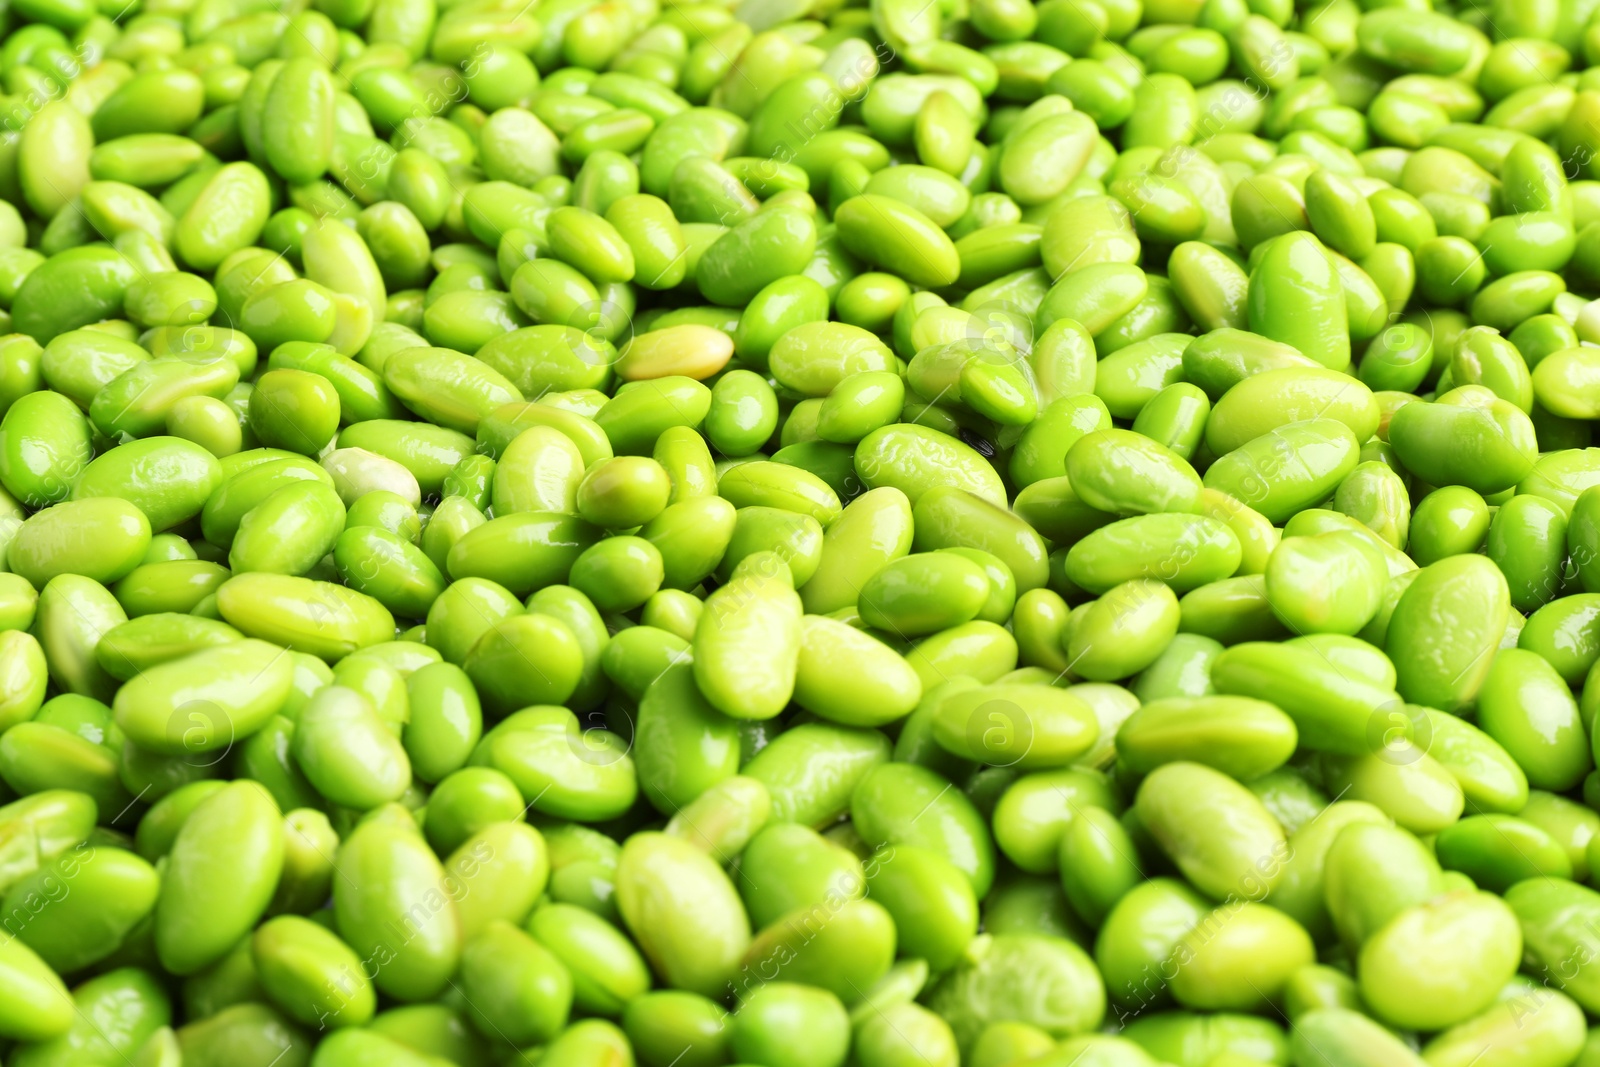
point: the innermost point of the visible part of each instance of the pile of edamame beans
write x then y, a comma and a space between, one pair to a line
799, 533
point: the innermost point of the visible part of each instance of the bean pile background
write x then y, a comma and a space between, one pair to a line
799, 533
